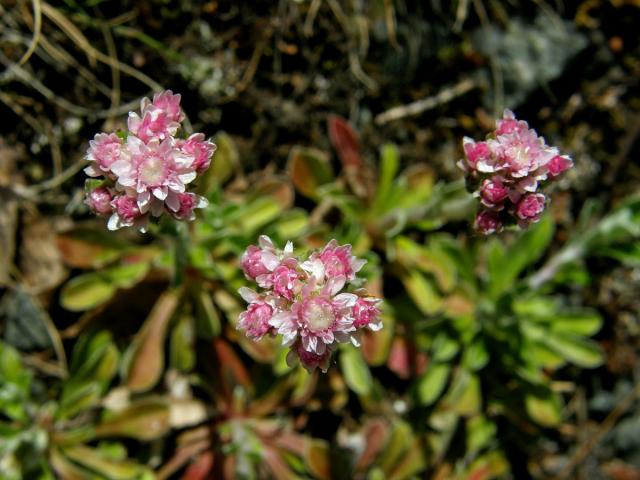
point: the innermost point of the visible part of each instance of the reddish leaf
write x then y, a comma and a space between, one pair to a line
345, 141
231, 369
316, 457
277, 465
376, 435
147, 361
347, 145
201, 468
403, 358
308, 169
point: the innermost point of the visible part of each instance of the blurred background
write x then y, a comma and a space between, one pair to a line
508, 357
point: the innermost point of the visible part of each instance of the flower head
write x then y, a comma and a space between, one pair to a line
309, 305
150, 171
506, 171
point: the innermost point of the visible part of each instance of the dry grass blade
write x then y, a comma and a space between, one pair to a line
311, 17
390, 21
115, 73
61, 56
81, 41
37, 29
71, 31
461, 15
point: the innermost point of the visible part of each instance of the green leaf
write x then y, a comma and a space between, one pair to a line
147, 419
355, 370
464, 396
95, 461
91, 289
577, 349
292, 224
444, 348
398, 444
225, 162
628, 254
411, 463
93, 366
259, 213
15, 382
544, 407
422, 292
77, 397
183, 356
480, 432
389, 162
95, 357
488, 466
432, 383
128, 274
308, 169
542, 356
506, 266
536, 307
475, 356
208, 320
86, 291
429, 259
580, 323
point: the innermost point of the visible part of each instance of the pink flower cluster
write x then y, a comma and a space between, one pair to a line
147, 173
506, 170
305, 301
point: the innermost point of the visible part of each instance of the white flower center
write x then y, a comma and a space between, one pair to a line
152, 171
522, 156
319, 316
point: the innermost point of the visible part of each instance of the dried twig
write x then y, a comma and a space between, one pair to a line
415, 108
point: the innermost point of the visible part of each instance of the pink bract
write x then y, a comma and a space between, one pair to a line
188, 202
488, 222
530, 207
252, 263
284, 280
338, 261
255, 319
366, 313
99, 201
104, 150
200, 149
309, 360
493, 192
159, 118
559, 164
125, 212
